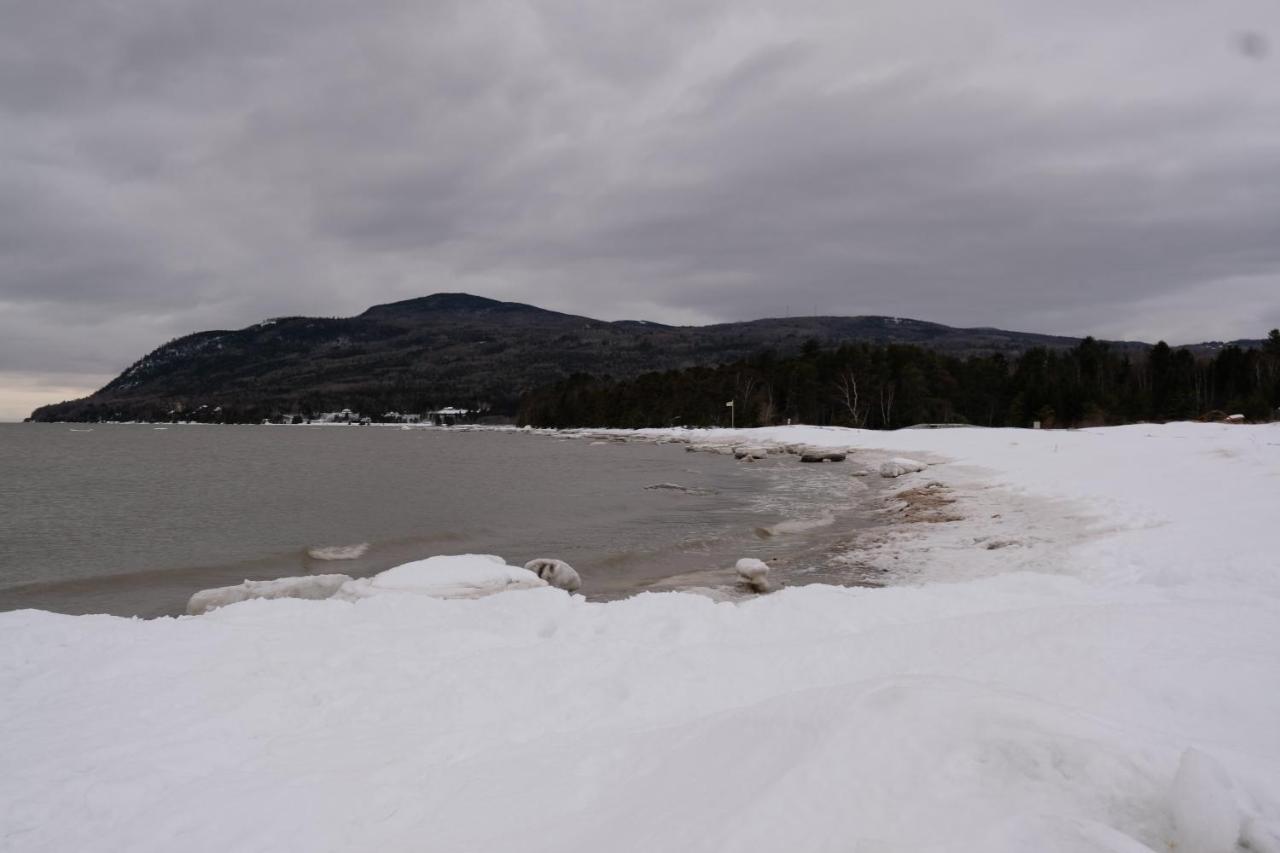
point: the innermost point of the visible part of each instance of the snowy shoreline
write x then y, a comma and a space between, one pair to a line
1080, 653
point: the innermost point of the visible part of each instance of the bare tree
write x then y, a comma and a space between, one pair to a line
847, 394
887, 392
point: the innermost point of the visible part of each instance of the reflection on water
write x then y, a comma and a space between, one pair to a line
129, 519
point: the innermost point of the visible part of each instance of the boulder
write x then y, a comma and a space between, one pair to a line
754, 573
557, 573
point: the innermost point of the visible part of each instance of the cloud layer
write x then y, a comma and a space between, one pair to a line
174, 165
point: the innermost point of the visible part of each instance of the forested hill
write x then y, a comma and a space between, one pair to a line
885, 386
463, 350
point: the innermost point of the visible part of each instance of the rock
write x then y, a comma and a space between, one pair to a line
745, 452
557, 573
900, 465
821, 454
309, 586
754, 573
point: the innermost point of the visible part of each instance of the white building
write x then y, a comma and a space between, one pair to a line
449, 415
396, 417
346, 416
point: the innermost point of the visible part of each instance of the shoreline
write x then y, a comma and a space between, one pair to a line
1106, 682
801, 538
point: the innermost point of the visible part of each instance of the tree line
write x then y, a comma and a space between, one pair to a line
890, 386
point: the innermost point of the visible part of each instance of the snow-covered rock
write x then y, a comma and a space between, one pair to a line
900, 465
754, 573
747, 452
557, 573
454, 576
309, 586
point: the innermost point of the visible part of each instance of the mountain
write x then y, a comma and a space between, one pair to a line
459, 349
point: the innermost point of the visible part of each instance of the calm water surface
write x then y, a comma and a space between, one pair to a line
132, 519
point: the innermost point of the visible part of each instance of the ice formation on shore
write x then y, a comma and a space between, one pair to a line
454, 576
308, 587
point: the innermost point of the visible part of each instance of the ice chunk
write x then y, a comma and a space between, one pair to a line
754, 573
338, 552
900, 465
1205, 814
557, 573
310, 586
821, 454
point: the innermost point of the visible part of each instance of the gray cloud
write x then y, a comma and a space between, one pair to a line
1074, 168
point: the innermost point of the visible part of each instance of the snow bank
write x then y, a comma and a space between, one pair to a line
1205, 814
1107, 684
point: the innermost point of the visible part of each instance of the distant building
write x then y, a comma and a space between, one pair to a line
449, 415
346, 416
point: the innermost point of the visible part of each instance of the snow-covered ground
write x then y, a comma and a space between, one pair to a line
1079, 650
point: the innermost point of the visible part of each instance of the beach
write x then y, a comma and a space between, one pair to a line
1074, 648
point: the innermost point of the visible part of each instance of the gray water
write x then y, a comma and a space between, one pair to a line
132, 519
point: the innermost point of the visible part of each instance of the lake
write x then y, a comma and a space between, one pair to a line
131, 519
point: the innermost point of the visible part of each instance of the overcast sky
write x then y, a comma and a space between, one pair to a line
1092, 166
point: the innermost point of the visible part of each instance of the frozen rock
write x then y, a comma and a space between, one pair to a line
557, 573
900, 465
1206, 817
745, 452
754, 573
311, 586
